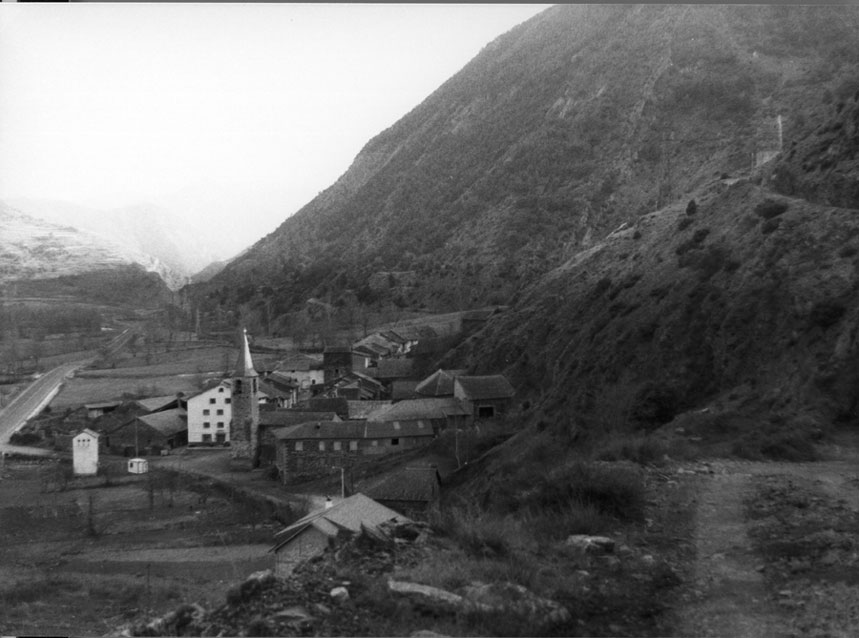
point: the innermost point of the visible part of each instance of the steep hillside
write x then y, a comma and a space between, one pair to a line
744, 305
580, 119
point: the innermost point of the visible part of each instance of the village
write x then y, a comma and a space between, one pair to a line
354, 434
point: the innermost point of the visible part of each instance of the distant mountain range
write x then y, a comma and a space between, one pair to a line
32, 248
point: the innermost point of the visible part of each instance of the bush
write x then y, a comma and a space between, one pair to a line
684, 223
691, 207
25, 438
770, 208
769, 226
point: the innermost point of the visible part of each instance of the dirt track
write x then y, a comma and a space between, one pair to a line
731, 590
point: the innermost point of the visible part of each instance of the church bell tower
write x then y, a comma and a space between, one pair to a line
244, 426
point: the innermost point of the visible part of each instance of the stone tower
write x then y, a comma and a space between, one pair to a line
244, 426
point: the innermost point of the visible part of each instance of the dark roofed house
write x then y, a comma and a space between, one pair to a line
390, 369
309, 536
402, 389
95, 410
440, 412
159, 404
270, 420
149, 433
310, 450
485, 396
439, 383
411, 490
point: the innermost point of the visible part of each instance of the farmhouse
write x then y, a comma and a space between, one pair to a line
149, 433
299, 368
439, 413
210, 413
439, 383
411, 490
158, 404
486, 396
272, 419
85, 453
309, 536
312, 449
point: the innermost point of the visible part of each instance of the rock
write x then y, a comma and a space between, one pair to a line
172, 623
591, 544
506, 597
339, 594
321, 608
249, 588
296, 617
426, 593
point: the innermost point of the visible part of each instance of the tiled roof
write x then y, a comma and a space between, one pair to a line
350, 513
168, 422
408, 484
91, 433
281, 418
156, 403
404, 389
337, 404
494, 386
360, 409
412, 409
394, 369
439, 383
323, 430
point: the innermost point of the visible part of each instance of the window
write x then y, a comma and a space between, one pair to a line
353, 445
322, 446
254, 382
238, 386
485, 411
220, 424
220, 389
299, 445
207, 438
206, 412
395, 441
206, 424
337, 446
220, 412
212, 401
221, 437
227, 400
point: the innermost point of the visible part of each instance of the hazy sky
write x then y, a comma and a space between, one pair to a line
208, 108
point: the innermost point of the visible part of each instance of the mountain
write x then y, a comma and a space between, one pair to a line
145, 229
32, 249
581, 119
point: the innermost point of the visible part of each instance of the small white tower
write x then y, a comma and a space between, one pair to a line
85, 453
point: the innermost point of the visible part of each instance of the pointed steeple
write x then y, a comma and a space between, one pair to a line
244, 364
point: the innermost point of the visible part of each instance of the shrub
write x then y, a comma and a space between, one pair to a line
770, 208
25, 438
602, 285
691, 207
826, 313
769, 226
684, 223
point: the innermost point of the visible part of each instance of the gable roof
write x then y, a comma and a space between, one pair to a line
408, 484
281, 418
495, 386
414, 409
360, 409
404, 389
153, 404
394, 368
439, 383
324, 430
350, 514
88, 432
168, 422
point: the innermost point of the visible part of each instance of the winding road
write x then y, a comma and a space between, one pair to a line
37, 395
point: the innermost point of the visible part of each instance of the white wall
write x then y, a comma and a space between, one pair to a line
85, 454
211, 401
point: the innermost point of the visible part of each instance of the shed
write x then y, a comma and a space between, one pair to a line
309, 536
95, 410
485, 396
138, 466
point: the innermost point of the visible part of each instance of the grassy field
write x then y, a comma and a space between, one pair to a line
82, 558
77, 391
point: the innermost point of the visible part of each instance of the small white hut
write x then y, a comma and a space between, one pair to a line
138, 466
85, 453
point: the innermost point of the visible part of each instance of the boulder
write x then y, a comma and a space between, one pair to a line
591, 544
427, 595
339, 594
506, 597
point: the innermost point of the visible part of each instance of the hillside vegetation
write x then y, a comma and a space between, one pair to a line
563, 128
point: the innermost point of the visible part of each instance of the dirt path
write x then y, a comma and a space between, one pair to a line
727, 594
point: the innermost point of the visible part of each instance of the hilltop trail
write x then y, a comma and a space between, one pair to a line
727, 593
